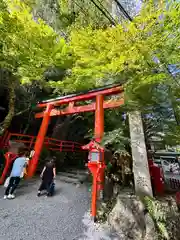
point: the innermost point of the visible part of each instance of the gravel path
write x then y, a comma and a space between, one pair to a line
62, 217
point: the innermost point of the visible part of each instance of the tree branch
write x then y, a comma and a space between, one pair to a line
11, 106
23, 111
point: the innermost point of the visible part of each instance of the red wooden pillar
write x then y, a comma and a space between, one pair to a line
10, 157
99, 118
98, 134
94, 196
39, 141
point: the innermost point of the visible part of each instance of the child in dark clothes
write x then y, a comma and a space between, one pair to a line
48, 175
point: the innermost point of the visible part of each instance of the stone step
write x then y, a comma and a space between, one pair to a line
74, 171
72, 175
68, 180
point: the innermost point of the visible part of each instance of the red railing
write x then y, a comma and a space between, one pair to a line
29, 141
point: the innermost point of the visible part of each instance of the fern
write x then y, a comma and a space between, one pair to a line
117, 139
162, 229
157, 215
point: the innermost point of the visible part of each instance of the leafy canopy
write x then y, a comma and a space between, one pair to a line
133, 53
127, 52
28, 48
83, 13
28, 45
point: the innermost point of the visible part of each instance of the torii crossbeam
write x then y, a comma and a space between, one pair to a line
53, 107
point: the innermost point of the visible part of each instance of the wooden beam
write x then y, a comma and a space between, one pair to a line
83, 97
84, 108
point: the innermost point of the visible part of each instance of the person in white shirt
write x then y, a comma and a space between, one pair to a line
18, 166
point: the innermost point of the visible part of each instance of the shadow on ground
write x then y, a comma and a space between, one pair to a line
65, 216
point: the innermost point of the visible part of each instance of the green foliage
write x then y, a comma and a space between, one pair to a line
172, 135
135, 54
126, 52
157, 215
63, 15
115, 130
75, 14
96, 54
28, 46
116, 139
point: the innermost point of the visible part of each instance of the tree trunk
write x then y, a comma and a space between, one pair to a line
11, 107
140, 162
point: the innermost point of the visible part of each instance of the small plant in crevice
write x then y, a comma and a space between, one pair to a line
158, 215
105, 209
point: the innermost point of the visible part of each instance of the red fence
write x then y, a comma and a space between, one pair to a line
29, 141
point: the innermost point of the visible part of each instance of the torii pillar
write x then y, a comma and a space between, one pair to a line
98, 135
99, 119
40, 141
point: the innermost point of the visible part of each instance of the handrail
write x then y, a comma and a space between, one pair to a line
31, 136
20, 134
51, 143
54, 139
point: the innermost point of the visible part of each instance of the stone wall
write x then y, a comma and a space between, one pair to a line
129, 220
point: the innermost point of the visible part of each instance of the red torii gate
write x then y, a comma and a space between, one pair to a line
51, 109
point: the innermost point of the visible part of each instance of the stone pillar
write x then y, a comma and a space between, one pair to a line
142, 179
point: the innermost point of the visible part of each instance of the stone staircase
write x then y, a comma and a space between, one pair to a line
73, 176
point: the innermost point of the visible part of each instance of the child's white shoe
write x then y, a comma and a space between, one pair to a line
11, 196
5, 196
